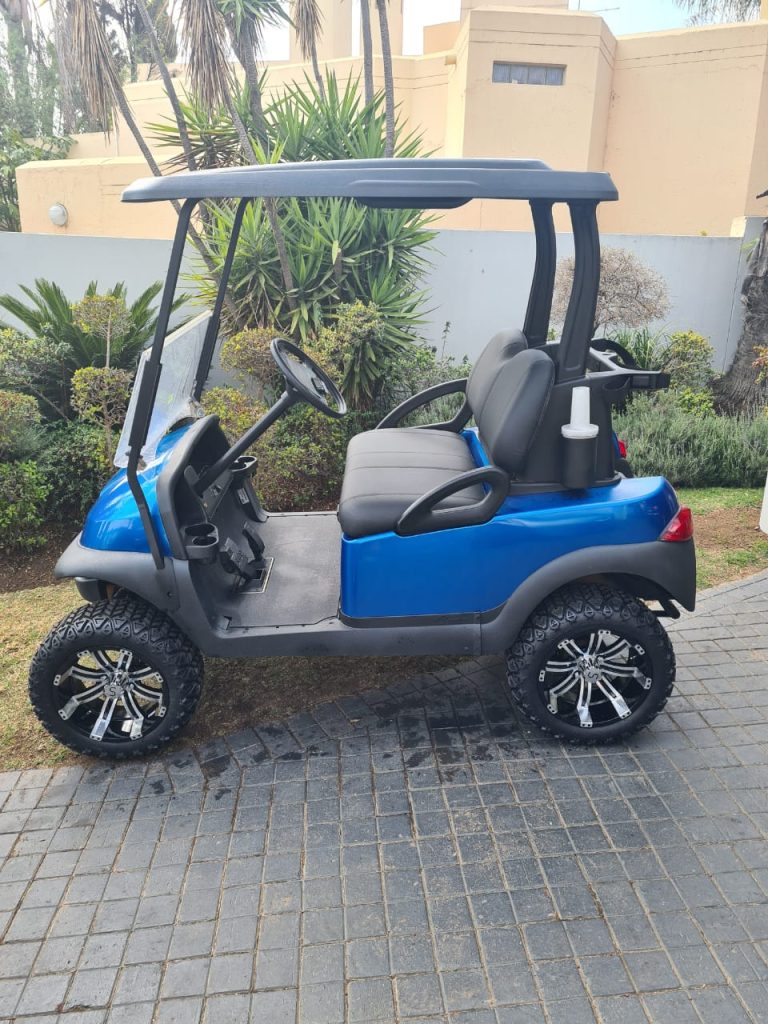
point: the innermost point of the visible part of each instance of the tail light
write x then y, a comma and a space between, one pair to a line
680, 527
622, 448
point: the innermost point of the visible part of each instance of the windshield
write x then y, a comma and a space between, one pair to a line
174, 401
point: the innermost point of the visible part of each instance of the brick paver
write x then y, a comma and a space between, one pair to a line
415, 855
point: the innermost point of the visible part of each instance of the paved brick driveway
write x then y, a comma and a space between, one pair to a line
411, 856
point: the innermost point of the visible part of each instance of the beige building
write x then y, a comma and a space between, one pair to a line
679, 118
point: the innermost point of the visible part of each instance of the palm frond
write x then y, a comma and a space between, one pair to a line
205, 36
704, 12
92, 54
308, 22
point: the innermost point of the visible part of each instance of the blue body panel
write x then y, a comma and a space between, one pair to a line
114, 524
476, 568
460, 571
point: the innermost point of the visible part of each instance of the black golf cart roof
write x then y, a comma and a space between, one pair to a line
414, 183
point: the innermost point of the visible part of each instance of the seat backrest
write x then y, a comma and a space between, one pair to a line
509, 404
499, 349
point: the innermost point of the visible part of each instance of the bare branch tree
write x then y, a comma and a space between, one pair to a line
630, 295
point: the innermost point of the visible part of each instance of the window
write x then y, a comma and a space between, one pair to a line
528, 74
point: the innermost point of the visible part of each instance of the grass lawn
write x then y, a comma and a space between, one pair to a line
237, 694
240, 693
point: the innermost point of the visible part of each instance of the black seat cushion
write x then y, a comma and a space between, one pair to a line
387, 470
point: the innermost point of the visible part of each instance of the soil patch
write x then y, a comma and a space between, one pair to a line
23, 570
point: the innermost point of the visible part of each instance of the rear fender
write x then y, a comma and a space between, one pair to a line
655, 570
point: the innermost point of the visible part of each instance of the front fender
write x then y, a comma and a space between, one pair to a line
667, 567
131, 570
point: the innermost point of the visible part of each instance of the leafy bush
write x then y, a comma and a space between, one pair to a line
301, 461
62, 337
19, 425
100, 396
688, 361
75, 465
301, 457
357, 351
23, 491
36, 366
236, 410
248, 355
691, 449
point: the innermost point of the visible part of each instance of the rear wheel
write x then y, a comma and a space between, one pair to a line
592, 664
115, 679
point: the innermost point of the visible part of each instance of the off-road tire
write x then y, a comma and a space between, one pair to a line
126, 622
576, 609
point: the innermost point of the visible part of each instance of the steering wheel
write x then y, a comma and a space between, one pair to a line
307, 379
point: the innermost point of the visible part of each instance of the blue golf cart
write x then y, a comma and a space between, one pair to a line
515, 527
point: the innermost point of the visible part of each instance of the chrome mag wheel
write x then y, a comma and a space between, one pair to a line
111, 696
115, 679
596, 679
592, 664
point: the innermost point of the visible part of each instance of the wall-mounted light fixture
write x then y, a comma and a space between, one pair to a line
59, 215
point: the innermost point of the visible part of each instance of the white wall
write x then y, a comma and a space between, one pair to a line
479, 281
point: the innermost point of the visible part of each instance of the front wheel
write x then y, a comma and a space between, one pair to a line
592, 664
115, 679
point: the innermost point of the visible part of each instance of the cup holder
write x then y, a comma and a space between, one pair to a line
244, 466
201, 541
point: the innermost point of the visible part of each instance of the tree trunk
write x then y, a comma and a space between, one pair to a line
365, 23
389, 82
739, 391
245, 48
316, 70
165, 74
146, 152
22, 90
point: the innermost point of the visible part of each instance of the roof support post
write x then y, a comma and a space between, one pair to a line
150, 378
212, 331
536, 327
579, 323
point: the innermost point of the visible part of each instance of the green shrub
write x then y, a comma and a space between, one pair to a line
100, 396
691, 449
688, 361
301, 457
76, 467
248, 355
236, 410
357, 351
301, 461
19, 425
23, 491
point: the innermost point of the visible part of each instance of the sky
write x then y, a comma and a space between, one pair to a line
623, 16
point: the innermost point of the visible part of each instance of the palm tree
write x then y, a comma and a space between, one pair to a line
741, 389
389, 82
365, 24
205, 24
159, 60
104, 93
100, 80
308, 23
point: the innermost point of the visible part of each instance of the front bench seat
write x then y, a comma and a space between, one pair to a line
387, 470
